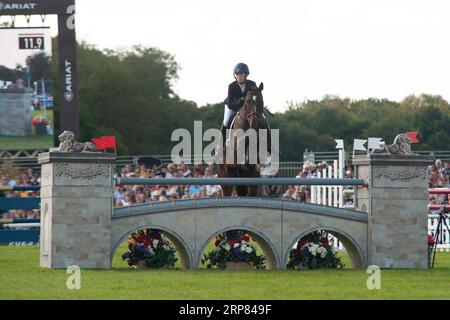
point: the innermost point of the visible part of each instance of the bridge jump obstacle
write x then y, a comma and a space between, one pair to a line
388, 226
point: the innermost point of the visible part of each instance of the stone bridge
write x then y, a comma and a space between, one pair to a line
79, 225
275, 224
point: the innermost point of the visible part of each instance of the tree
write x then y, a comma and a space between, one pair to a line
129, 94
39, 64
7, 74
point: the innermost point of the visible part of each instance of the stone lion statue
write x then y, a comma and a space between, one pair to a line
69, 144
401, 146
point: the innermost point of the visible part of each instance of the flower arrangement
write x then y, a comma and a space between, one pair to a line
314, 251
430, 240
149, 248
233, 250
39, 120
430, 249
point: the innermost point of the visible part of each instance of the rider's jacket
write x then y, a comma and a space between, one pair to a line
234, 101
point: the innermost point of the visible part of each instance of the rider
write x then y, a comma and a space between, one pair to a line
237, 90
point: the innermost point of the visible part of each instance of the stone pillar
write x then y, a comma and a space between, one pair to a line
76, 208
15, 112
396, 203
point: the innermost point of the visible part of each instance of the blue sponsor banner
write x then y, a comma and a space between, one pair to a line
20, 203
19, 237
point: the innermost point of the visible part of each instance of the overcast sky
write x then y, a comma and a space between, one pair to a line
299, 49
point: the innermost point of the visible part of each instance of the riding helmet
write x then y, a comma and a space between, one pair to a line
241, 68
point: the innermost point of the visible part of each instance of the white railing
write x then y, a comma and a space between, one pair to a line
329, 195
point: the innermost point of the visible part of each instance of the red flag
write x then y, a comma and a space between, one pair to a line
413, 136
105, 142
99, 143
109, 142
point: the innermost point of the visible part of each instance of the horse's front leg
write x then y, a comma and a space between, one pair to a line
252, 191
227, 190
241, 191
254, 173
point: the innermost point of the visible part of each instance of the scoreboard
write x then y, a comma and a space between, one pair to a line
31, 41
18, 43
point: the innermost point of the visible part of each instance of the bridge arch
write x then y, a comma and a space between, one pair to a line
184, 252
354, 250
267, 246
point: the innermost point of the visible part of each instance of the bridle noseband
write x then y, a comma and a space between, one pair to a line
254, 112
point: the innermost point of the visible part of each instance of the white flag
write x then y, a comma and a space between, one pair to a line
374, 143
339, 144
358, 144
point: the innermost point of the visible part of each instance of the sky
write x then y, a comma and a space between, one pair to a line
299, 49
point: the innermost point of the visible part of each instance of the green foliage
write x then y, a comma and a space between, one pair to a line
7, 74
39, 64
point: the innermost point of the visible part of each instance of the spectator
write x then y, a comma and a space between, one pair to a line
432, 201
170, 173
289, 194
446, 173
119, 193
438, 166
129, 199
143, 171
163, 195
433, 177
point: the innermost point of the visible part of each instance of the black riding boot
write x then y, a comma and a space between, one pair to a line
223, 130
269, 142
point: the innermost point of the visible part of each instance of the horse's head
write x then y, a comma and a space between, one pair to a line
254, 106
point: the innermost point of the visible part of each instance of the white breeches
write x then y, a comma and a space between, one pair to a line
229, 114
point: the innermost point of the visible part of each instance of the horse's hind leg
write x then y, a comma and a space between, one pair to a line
252, 191
227, 190
241, 191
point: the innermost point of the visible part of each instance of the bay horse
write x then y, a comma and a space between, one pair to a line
249, 116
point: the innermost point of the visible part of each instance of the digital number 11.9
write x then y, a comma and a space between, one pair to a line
31, 43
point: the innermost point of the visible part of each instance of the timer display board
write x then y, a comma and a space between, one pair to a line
26, 88
19, 43
28, 41
68, 113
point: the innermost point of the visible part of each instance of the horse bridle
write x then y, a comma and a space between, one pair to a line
253, 112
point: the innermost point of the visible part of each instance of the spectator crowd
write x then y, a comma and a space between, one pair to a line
302, 193
439, 177
12, 178
125, 195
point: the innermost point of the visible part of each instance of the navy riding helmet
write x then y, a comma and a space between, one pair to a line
241, 68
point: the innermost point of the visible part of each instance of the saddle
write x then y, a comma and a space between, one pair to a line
265, 120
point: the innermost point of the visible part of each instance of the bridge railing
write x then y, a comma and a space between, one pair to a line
241, 181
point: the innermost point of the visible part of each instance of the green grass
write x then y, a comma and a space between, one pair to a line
22, 278
29, 142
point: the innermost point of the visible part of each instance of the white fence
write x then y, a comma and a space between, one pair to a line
332, 196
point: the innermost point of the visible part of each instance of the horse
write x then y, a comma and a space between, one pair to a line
249, 116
